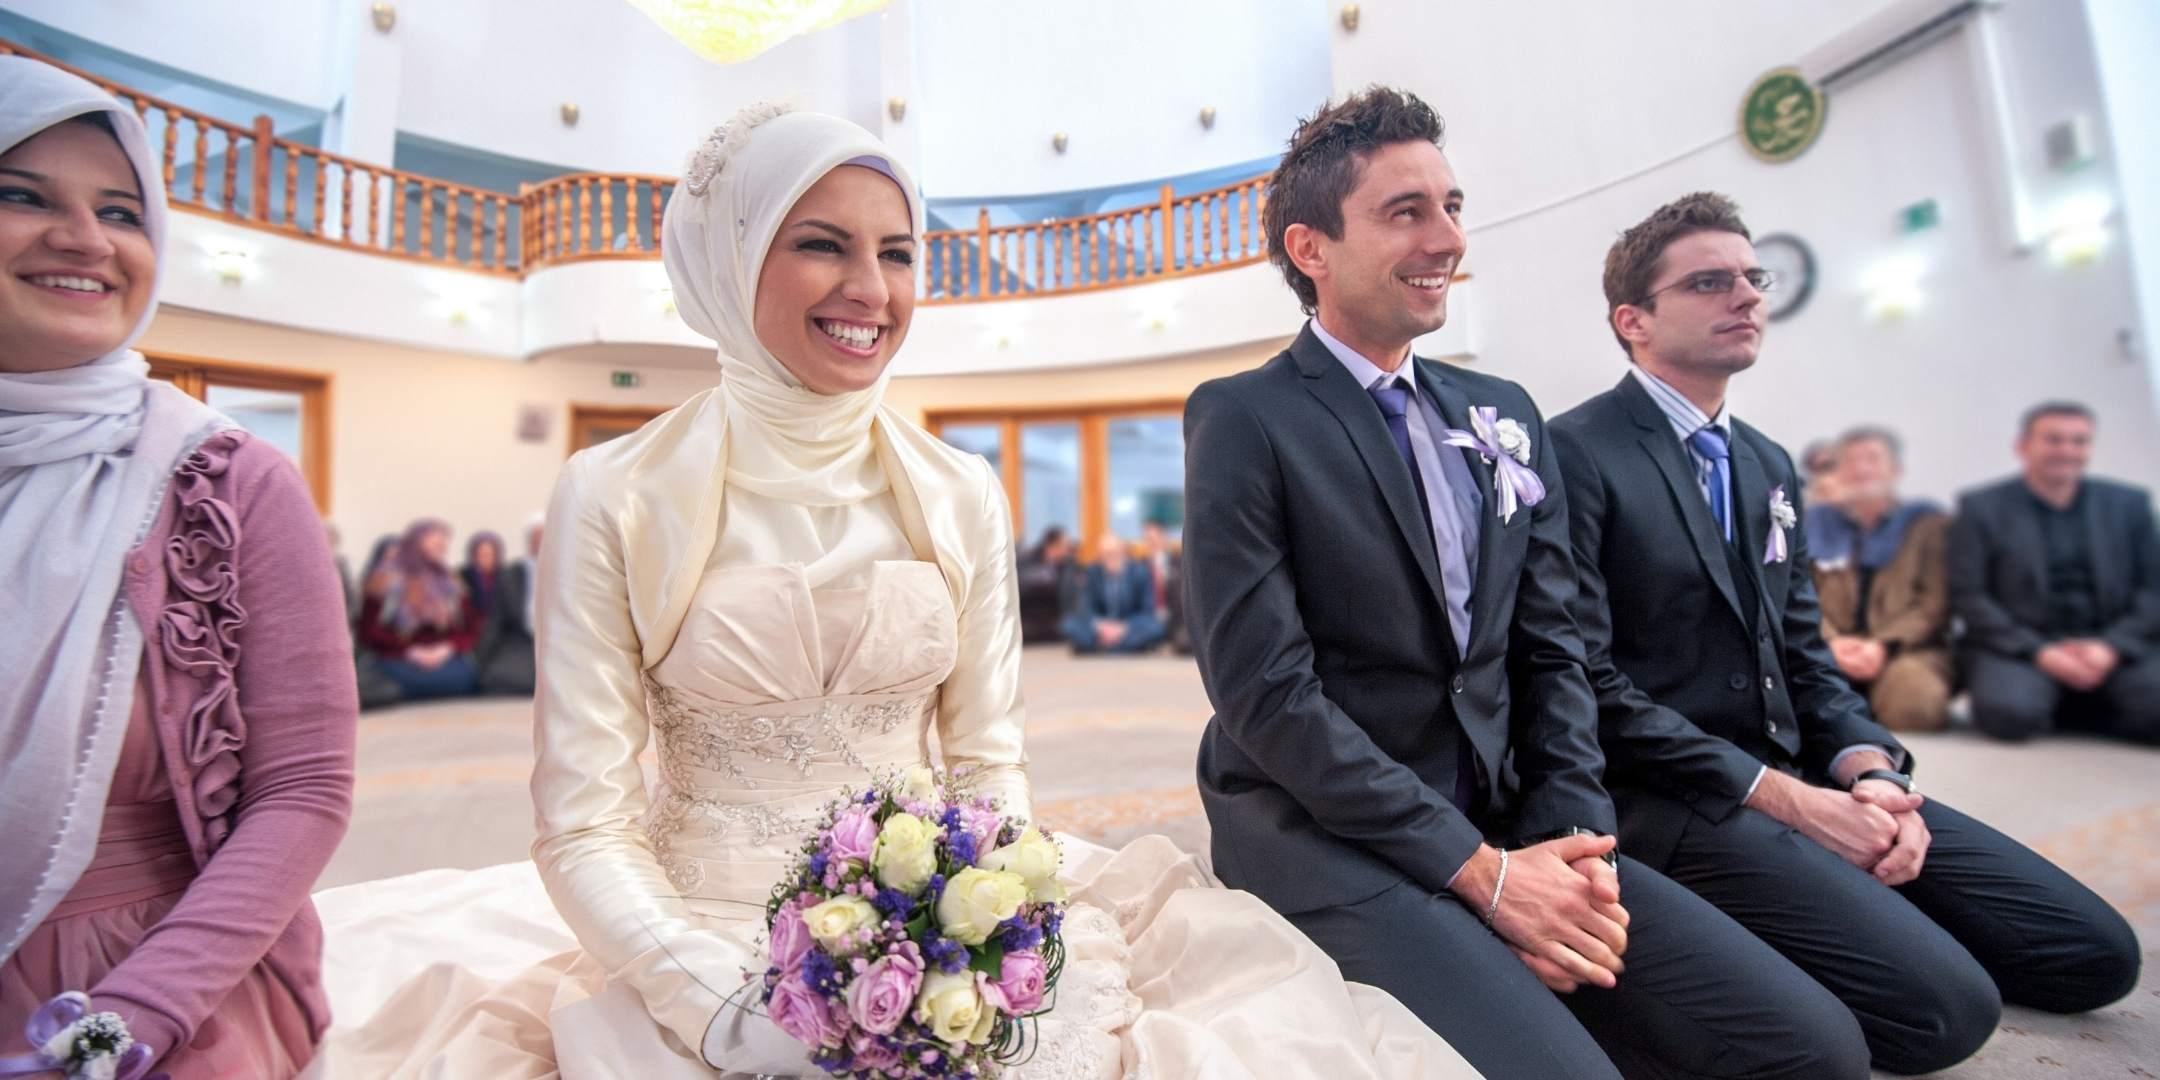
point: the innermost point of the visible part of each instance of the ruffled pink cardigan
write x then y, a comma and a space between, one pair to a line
247, 662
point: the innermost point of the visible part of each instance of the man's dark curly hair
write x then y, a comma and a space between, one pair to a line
1631, 264
1326, 157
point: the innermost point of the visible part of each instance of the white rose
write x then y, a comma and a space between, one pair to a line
1035, 858
976, 901
1513, 440
1782, 512
953, 1009
832, 921
906, 854
919, 784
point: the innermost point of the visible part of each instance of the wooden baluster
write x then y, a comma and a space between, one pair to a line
172, 138
397, 213
502, 223
630, 214
1147, 243
607, 215
1072, 254
1244, 221
1192, 248
292, 185
345, 199
374, 208
659, 198
453, 223
202, 157
259, 170
584, 218
427, 219
1223, 218
983, 268
566, 209
322, 192
230, 193
1042, 257
142, 109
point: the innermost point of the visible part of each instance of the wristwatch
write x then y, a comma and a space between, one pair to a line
1900, 779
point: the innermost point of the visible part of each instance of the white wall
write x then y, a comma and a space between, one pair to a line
1563, 145
280, 48
493, 74
2127, 36
1125, 79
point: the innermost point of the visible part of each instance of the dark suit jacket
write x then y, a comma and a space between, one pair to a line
1695, 692
1126, 595
1998, 569
1341, 704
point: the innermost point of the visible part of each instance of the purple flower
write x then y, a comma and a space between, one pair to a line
819, 971
1022, 980
790, 936
880, 997
1019, 935
853, 836
804, 1014
872, 1053
962, 845
893, 902
818, 863
950, 956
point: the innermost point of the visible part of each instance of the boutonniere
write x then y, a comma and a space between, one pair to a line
1505, 445
1782, 518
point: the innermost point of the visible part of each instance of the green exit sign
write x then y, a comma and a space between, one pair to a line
1921, 216
623, 379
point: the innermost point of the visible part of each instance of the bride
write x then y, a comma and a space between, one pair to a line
785, 587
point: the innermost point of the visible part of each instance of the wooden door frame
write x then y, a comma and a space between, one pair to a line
581, 413
194, 374
1093, 417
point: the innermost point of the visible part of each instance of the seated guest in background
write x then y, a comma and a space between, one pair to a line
1048, 576
482, 572
1115, 609
1167, 578
1818, 472
2056, 578
422, 628
505, 653
179, 731
1883, 585
376, 689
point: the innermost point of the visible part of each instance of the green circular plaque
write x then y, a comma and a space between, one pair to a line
1781, 115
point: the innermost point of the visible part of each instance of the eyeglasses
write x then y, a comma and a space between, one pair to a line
1720, 282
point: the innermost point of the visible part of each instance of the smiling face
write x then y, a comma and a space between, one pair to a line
1385, 281
1678, 328
838, 287
79, 265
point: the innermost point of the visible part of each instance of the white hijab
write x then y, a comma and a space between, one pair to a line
804, 483
84, 455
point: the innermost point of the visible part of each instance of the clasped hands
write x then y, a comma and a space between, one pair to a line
1559, 910
1876, 826
2081, 664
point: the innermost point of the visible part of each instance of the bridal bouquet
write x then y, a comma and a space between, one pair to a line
916, 934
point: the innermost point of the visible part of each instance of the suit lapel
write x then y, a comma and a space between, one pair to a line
1454, 407
1326, 379
2099, 547
1663, 445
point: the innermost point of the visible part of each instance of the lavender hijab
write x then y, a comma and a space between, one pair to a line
85, 453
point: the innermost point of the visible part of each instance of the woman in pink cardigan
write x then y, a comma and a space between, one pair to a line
176, 691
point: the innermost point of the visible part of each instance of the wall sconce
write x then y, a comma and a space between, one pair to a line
232, 265
384, 16
1893, 289
1207, 117
569, 114
2080, 231
1350, 17
896, 108
1060, 141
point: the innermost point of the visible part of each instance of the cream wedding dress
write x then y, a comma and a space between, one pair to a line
773, 699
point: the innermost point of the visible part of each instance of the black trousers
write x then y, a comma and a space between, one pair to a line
1924, 967
2012, 699
1701, 997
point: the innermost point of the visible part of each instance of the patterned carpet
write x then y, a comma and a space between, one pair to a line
1112, 742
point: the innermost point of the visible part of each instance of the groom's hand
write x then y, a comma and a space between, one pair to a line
1555, 917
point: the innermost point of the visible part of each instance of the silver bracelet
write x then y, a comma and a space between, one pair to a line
1498, 884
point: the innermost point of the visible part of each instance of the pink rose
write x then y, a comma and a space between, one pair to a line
880, 997
804, 1014
790, 937
854, 836
1021, 980
983, 825
870, 1054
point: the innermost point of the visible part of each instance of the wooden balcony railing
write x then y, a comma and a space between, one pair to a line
250, 176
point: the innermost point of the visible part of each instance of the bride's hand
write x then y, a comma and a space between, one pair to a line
1551, 912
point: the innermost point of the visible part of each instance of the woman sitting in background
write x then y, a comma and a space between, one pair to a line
421, 624
481, 572
179, 708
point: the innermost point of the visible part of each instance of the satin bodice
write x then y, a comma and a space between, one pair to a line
774, 699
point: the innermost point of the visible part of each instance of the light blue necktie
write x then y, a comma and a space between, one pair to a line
1710, 442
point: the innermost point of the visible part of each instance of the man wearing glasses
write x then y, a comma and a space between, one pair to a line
1741, 763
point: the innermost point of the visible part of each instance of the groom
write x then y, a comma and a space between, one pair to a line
1403, 758
1742, 763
